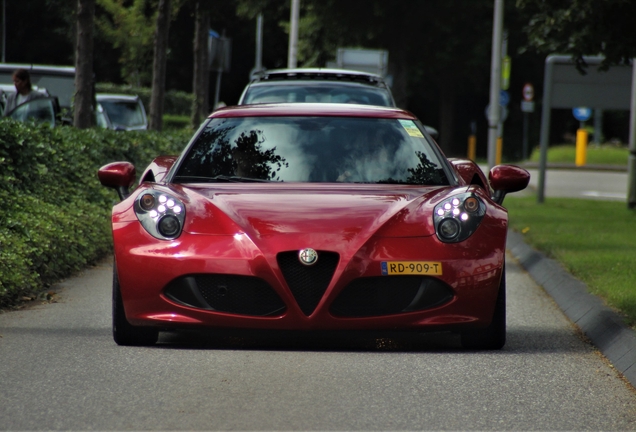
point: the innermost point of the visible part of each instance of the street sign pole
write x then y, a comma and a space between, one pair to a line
292, 61
259, 43
495, 82
527, 106
631, 161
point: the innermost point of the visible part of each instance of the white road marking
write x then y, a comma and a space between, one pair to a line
609, 195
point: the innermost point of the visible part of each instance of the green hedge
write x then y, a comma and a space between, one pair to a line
175, 102
55, 216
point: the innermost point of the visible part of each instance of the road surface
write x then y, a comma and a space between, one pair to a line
603, 185
61, 370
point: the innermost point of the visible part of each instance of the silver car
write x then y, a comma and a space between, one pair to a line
121, 112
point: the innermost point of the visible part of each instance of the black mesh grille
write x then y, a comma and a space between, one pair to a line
307, 283
246, 295
388, 295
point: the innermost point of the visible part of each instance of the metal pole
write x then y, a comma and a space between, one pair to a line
221, 47
631, 161
545, 128
524, 148
217, 88
293, 34
4, 31
494, 113
259, 42
598, 126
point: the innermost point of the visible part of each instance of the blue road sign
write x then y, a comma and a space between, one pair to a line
582, 113
504, 98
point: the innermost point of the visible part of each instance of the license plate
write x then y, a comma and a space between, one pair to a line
390, 268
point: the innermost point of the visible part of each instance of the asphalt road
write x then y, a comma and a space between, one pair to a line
584, 184
60, 370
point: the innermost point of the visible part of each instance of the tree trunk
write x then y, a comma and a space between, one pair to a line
201, 76
447, 120
155, 122
399, 61
84, 95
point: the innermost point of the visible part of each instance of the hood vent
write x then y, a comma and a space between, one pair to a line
308, 283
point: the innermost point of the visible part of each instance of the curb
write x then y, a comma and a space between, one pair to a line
599, 323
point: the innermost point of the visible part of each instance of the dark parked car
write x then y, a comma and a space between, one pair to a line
311, 217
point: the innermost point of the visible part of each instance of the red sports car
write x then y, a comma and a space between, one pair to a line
311, 217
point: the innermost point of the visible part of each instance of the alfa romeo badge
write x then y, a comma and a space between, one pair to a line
308, 256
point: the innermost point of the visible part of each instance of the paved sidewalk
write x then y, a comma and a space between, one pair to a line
599, 323
572, 166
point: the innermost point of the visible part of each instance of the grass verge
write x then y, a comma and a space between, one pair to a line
593, 240
605, 154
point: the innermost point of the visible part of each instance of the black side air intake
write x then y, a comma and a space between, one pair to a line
245, 295
389, 295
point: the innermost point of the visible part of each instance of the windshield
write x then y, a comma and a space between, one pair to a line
312, 149
321, 93
122, 113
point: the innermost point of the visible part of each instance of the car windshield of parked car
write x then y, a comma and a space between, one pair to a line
321, 93
312, 149
124, 113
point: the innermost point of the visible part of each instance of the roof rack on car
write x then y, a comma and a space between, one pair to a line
318, 74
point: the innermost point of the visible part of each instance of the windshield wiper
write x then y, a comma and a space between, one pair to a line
219, 178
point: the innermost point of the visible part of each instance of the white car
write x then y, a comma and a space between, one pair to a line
317, 85
121, 112
311, 85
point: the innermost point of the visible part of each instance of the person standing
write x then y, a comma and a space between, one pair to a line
24, 91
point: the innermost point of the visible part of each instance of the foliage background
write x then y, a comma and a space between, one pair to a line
439, 50
56, 215
440, 59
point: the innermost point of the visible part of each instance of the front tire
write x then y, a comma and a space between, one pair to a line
492, 337
123, 332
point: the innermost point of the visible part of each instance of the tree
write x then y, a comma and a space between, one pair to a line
159, 65
582, 27
41, 31
130, 27
201, 73
83, 112
432, 61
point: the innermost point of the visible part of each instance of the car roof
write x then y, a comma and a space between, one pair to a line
10, 88
36, 69
116, 97
326, 74
312, 109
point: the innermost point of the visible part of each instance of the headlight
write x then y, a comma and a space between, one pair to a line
161, 214
458, 217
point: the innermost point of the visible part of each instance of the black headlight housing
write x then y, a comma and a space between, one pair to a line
160, 213
457, 218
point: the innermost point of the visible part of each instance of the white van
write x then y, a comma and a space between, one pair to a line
59, 81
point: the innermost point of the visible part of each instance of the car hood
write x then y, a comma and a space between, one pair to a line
311, 215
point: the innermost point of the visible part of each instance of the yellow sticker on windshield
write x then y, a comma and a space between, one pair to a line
411, 129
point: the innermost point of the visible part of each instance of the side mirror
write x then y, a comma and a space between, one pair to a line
505, 179
119, 176
432, 131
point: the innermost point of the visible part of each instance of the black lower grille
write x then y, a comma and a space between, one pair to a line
245, 295
388, 295
307, 283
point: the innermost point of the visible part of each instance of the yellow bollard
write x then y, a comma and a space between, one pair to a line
499, 150
581, 147
472, 147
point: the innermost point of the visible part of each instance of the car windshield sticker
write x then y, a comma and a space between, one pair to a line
410, 128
